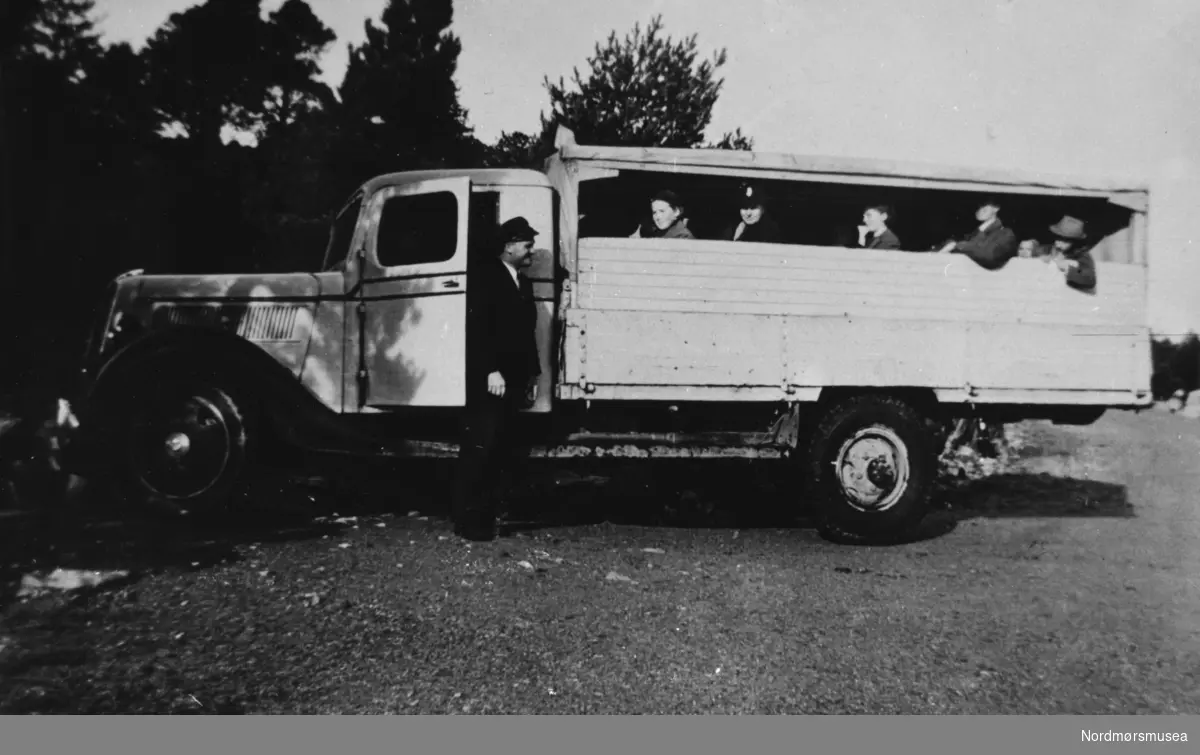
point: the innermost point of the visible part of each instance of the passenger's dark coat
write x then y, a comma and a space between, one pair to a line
677, 230
990, 248
500, 324
765, 231
1082, 277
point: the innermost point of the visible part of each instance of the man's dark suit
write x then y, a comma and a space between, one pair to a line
991, 248
500, 328
501, 318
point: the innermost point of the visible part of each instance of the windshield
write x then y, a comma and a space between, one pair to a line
341, 234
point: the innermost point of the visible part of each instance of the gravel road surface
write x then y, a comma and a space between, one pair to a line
1068, 583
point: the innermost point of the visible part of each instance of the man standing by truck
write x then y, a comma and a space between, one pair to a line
502, 372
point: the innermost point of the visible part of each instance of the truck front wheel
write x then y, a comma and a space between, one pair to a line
872, 465
178, 446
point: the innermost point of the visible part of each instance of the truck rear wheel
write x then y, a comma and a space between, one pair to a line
178, 446
872, 465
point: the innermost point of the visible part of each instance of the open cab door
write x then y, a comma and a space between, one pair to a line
412, 308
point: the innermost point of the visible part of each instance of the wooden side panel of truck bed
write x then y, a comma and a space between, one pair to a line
718, 320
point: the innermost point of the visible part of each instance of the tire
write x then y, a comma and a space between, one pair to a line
872, 464
178, 446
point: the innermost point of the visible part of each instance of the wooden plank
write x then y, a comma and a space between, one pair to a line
710, 267
747, 256
870, 289
811, 281
627, 348
701, 305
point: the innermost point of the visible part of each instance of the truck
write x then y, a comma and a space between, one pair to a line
846, 363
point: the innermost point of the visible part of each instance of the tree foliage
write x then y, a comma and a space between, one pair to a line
647, 90
112, 159
400, 105
295, 41
69, 126
1176, 366
221, 64
516, 149
733, 140
202, 64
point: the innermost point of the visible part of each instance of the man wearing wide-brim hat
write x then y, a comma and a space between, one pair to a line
502, 372
1070, 253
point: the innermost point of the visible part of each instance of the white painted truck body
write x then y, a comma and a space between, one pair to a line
702, 320
697, 320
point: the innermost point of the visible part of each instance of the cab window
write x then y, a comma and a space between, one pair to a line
418, 229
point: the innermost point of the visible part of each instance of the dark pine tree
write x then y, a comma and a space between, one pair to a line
399, 101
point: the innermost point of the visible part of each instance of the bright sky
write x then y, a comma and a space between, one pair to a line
1094, 87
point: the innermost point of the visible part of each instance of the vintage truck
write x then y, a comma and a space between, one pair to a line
844, 361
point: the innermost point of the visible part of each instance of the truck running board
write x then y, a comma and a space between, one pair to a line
624, 446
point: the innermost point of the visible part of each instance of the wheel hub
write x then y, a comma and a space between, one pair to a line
178, 444
182, 446
872, 467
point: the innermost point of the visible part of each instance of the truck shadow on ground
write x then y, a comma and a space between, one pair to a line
280, 507
746, 496
755, 495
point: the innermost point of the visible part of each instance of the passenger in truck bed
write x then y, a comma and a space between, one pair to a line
874, 232
1071, 255
756, 224
668, 216
991, 245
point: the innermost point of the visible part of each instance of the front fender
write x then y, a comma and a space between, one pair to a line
291, 410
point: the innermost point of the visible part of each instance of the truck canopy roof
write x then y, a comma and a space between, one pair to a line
478, 176
780, 166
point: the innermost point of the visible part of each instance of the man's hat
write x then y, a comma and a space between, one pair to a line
752, 195
516, 229
1069, 228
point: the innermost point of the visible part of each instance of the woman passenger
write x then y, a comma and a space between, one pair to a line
669, 218
756, 224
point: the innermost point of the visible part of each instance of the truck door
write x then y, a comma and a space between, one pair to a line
413, 307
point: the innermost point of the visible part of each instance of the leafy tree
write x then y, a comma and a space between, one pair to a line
516, 150
1185, 365
296, 39
646, 90
60, 32
16, 20
115, 97
67, 112
222, 64
400, 105
204, 66
733, 140
1176, 366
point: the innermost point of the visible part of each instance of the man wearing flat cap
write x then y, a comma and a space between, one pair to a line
756, 225
991, 245
1070, 254
502, 373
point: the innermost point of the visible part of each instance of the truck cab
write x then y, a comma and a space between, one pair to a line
400, 255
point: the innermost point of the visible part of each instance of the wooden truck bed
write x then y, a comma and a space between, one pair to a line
709, 320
